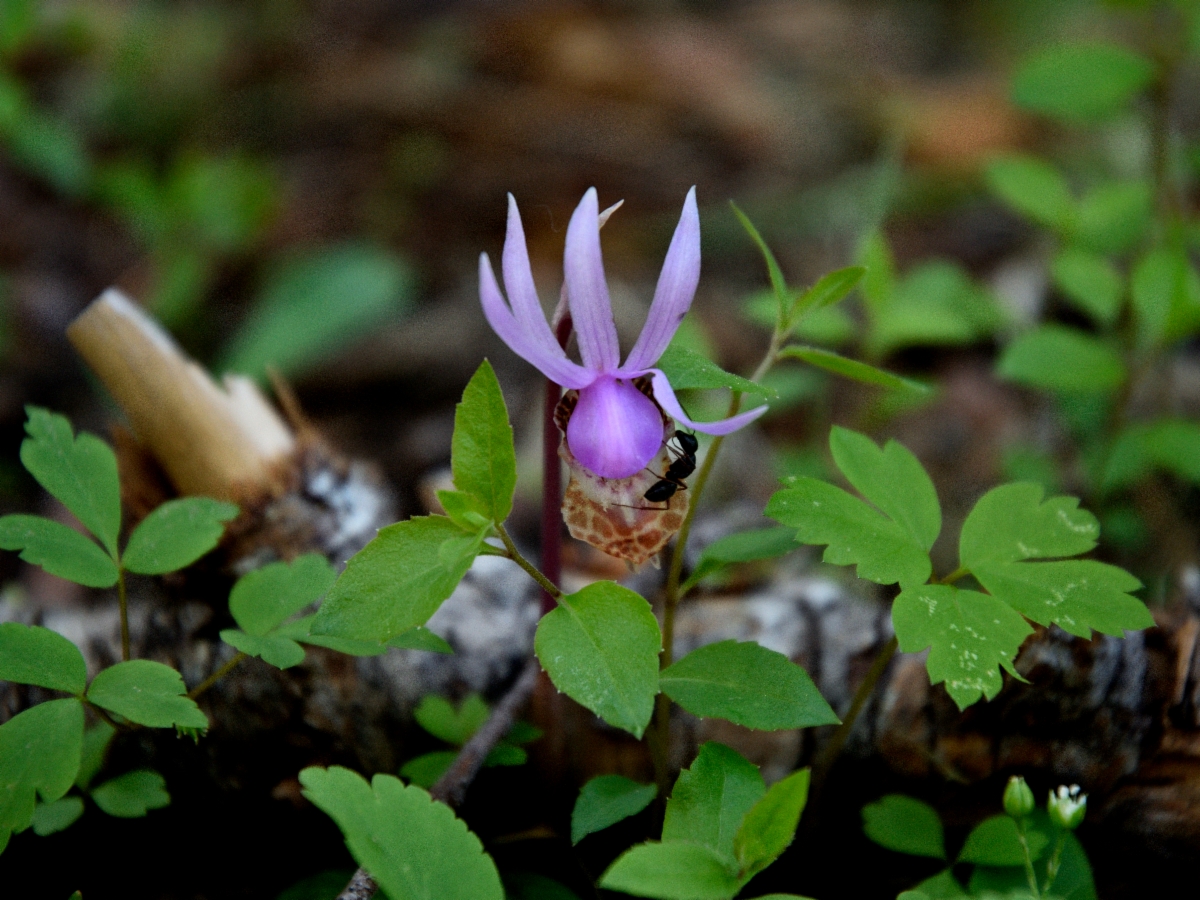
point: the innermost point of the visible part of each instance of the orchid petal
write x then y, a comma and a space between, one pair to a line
587, 292
615, 429
665, 395
676, 287
518, 284
558, 369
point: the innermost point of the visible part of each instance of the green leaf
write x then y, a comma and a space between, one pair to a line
1058, 358
482, 455
415, 848
671, 871
1169, 444
1081, 82
397, 581
1076, 595
770, 825
604, 801
504, 754
60, 550
906, 825
30, 654
711, 798
39, 756
531, 886
971, 637
1074, 881
280, 652
942, 886
1034, 188
80, 471
460, 507
148, 693
322, 886
995, 842
132, 795
1012, 522
96, 741
420, 638
58, 815
454, 726
176, 534
688, 370
1165, 290
852, 369
1113, 217
600, 647
830, 289
425, 770
1091, 283
744, 546
893, 479
314, 305
298, 630
879, 283
264, 599
747, 684
778, 284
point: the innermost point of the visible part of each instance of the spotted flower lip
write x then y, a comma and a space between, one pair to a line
615, 429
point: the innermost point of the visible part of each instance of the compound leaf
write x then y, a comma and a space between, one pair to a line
747, 684
425, 770
30, 654
148, 693
56, 816
413, 846
176, 534
132, 795
60, 550
600, 647
1012, 522
263, 600
277, 650
454, 726
606, 800
39, 756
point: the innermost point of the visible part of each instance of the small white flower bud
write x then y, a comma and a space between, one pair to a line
1067, 807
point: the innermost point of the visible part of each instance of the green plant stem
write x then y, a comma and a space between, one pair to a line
660, 735
515, 555
1055, 861
960, 572
216, 676
1030, 875
124, 604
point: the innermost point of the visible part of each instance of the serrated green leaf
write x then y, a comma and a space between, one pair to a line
688, 370
744, 546
906, 825
604, 801
1091, 282
830, 288
482, 456
1081, 82
1076, 595
1113, 217
314, 304
856, 534
1034, 188
852, 369
1013, 522
711, 798
30, 654
425, 770
132, 795
600, 647
397, 581
415, 848
1165, 292
176, 534
80, 471
770, 825
60, 550
280, 652
454, 726
148, 693
1058, 358
778, 284
460, 507
56, 816
420, 638
672, 871
96, 741
263, 600
893, 479
971, 636
747, 684
39, 756
994, 842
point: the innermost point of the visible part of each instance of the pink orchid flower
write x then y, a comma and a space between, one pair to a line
615, 429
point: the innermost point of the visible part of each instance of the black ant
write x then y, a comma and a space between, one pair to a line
683, 466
